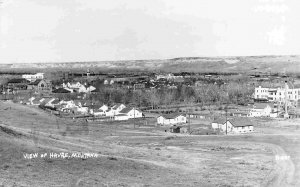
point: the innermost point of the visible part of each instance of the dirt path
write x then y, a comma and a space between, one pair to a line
284, 170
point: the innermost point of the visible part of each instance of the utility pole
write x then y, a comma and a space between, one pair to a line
226, 109
286, 115
134, 117
226, 118
189, 123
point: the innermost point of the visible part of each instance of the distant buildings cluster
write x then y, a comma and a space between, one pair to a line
278, 94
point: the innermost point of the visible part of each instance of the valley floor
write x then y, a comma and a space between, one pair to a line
141, 156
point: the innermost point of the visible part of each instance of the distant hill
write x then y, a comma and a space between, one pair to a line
272, 64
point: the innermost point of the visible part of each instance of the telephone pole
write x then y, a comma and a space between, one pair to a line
226, 109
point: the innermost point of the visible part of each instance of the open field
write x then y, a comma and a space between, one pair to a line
144, 156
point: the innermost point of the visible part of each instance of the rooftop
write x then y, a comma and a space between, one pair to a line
171, 116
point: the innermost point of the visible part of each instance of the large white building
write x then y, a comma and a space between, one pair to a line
33, 77
278, 94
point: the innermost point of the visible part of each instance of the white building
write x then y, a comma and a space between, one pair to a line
115, 110
33, 77
129, 113
278, 94
233, 125
261, 110
78, 87
171, 119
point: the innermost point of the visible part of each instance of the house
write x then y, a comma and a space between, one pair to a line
47, 101
54, 103
82, 110
128, 113
84, 89
37, 101
40, 85
75, 85
261, 110
115, 110
239, 113
17, 84
171, 119
78, 87
99, 111
104, 107
70, 106
233, 125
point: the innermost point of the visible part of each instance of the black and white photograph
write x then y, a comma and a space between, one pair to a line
149, 93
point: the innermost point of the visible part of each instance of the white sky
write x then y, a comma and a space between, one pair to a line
90, 30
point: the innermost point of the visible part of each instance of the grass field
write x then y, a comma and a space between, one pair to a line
144, 156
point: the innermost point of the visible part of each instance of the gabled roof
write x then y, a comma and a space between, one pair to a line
220, 120
36, 82
46, 100
128, 109
171, 116
61, 90
116, 106
241, 122
36, 100
236, 121
55, 102
98, 110
262, 105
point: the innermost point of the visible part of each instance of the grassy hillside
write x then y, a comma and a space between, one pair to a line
194, 64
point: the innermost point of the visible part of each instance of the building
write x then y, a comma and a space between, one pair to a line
128, 113
171, 119
261, 110
78, 87
115, 110
99, 110
104, 107
278, 94
233, 125
74, 85
33, 77
36, 101
40, 85
17, 84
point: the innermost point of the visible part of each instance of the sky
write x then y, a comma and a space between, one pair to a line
101, 30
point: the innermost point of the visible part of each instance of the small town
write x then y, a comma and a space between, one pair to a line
173, 100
